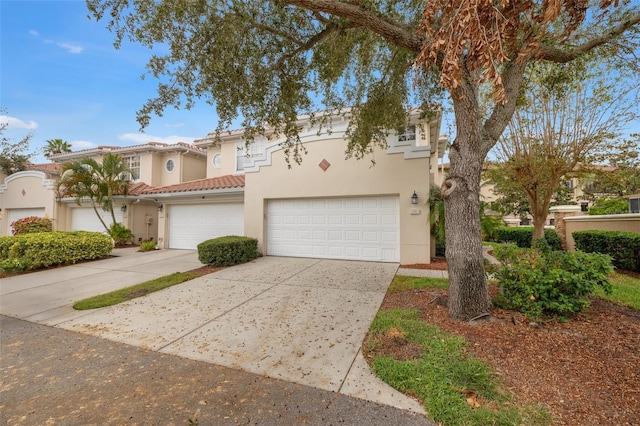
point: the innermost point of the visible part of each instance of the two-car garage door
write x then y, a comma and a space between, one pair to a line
359, 228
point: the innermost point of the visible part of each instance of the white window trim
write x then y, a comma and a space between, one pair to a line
256, 151
166, 165
216, 158
128, 160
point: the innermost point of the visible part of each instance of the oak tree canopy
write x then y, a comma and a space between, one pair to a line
269, 61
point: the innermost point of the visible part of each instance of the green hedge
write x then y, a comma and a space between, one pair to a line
40, 250
623, 247
227, 251
521, 236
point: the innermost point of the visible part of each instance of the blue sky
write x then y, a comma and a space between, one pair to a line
61, 77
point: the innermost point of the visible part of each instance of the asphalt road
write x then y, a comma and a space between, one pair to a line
54, 376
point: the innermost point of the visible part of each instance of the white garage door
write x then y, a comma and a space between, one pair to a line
189, 225
365, 228
17, 214
85, 219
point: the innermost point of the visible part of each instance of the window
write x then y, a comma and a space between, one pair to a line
247, 156
216, 161
634, 205
170, 165
584, 207
407, 133
569, 184
132, 162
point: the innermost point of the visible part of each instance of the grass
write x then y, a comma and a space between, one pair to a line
444, 373
446, 368
134, 291
492, 244
625, 290
403, 283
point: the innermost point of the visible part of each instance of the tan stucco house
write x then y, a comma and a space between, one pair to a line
327, 207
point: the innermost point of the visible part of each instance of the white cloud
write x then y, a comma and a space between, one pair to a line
34, 33
71, 48
175, 125
16, 123
142, 138
80, 145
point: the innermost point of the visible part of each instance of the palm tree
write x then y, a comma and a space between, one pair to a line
97, 182
56, 146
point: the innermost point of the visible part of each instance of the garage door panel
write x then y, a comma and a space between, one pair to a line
85, 219
365, 228
190, 224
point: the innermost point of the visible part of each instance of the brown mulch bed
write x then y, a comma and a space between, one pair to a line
437, 264
585, 371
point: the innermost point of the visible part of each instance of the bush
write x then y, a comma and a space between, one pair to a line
521, 236
148, 245
30, 225
40, 250
609, 206
549, 284
227, 251
120, 234
623, 247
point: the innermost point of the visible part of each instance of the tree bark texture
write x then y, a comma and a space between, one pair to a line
468, 291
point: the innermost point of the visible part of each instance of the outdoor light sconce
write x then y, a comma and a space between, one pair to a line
123, 209
414, 198
160, 208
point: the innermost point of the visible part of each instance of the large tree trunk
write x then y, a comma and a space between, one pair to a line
468, 291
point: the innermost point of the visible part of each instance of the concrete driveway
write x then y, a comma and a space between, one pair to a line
299, 320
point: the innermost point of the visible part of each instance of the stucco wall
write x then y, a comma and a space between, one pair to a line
193, 168
136, 220
392, 175
25, 190
614, 222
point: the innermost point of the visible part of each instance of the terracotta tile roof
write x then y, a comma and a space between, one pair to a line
137, 188
46, 167
103, 149
222, 182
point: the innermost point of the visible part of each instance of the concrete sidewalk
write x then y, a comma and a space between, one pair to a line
299, 320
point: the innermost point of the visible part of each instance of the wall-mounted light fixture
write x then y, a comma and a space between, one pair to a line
123, 209
414, 198
160, 208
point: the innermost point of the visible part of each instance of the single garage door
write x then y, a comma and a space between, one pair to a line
190, 224
363, 228
17, 214
85, 219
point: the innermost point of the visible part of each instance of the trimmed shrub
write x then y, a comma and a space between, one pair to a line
521, 236
623, 247
40, 250
227, 251
549, 284
30, 225
120, 234
148, 245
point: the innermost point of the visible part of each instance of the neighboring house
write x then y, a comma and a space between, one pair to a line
327, 207
27, 193
634, 203
575, 191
